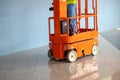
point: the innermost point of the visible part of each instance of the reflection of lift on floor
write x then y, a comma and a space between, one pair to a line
86, 69
85, 42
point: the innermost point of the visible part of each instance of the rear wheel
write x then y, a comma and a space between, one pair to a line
50, 54
94, 50
71, 56
57, 59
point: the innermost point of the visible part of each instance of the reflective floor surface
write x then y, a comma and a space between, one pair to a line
35, 65
113, 36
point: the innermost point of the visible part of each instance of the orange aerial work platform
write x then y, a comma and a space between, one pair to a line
85, 42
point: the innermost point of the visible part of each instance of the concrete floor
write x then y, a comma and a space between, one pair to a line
35, 65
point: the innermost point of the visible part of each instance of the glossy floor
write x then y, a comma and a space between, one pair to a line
113, 36
35, 65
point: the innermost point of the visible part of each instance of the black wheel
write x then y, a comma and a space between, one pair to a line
94, 50
71, 56
50, 54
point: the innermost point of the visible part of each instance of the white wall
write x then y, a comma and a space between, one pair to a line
23, 24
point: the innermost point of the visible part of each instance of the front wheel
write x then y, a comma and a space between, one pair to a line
71, 56
94, 50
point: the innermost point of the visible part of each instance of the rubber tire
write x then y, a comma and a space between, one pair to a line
57, 59
50, 54
94, 50
71, 56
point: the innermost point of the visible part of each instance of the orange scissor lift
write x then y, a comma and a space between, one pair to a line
85, 42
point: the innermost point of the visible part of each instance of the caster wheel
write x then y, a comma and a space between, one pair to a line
94, 50
50, 54
71, 56
57, 59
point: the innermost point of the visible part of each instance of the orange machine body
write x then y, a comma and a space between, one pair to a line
81, 42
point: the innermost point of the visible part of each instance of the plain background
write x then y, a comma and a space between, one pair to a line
23, 23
